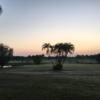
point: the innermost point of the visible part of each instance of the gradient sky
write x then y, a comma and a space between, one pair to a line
26, 24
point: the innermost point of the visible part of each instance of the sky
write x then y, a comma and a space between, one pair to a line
25, 25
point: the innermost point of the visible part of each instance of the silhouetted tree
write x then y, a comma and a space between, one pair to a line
60, 51
5, 54
98, 58
47, 47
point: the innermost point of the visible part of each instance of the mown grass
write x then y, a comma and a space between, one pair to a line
15, 86
48, 67
37, 87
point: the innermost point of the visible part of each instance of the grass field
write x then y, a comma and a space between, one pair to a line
39, 82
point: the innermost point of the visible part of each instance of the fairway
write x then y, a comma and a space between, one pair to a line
48, 67
39, 82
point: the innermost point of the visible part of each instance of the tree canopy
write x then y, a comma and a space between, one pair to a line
59, 50
5, 54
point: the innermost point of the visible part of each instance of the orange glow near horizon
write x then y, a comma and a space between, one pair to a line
84, 43
32, 48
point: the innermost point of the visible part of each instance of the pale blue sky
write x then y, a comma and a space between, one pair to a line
26, 24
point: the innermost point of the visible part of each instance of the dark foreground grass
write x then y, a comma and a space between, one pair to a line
41, 87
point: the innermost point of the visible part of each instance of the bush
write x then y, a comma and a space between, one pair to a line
57, 67
37, 59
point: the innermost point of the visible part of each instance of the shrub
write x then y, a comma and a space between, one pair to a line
37, 59
57, 67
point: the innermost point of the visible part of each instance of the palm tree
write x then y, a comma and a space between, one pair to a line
60, 51
68, 48
47, 46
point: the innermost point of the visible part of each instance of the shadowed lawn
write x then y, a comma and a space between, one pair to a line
15, 86
37, 87
48, 67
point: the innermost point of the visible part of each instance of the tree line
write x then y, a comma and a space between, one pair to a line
57, 54
59, 51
